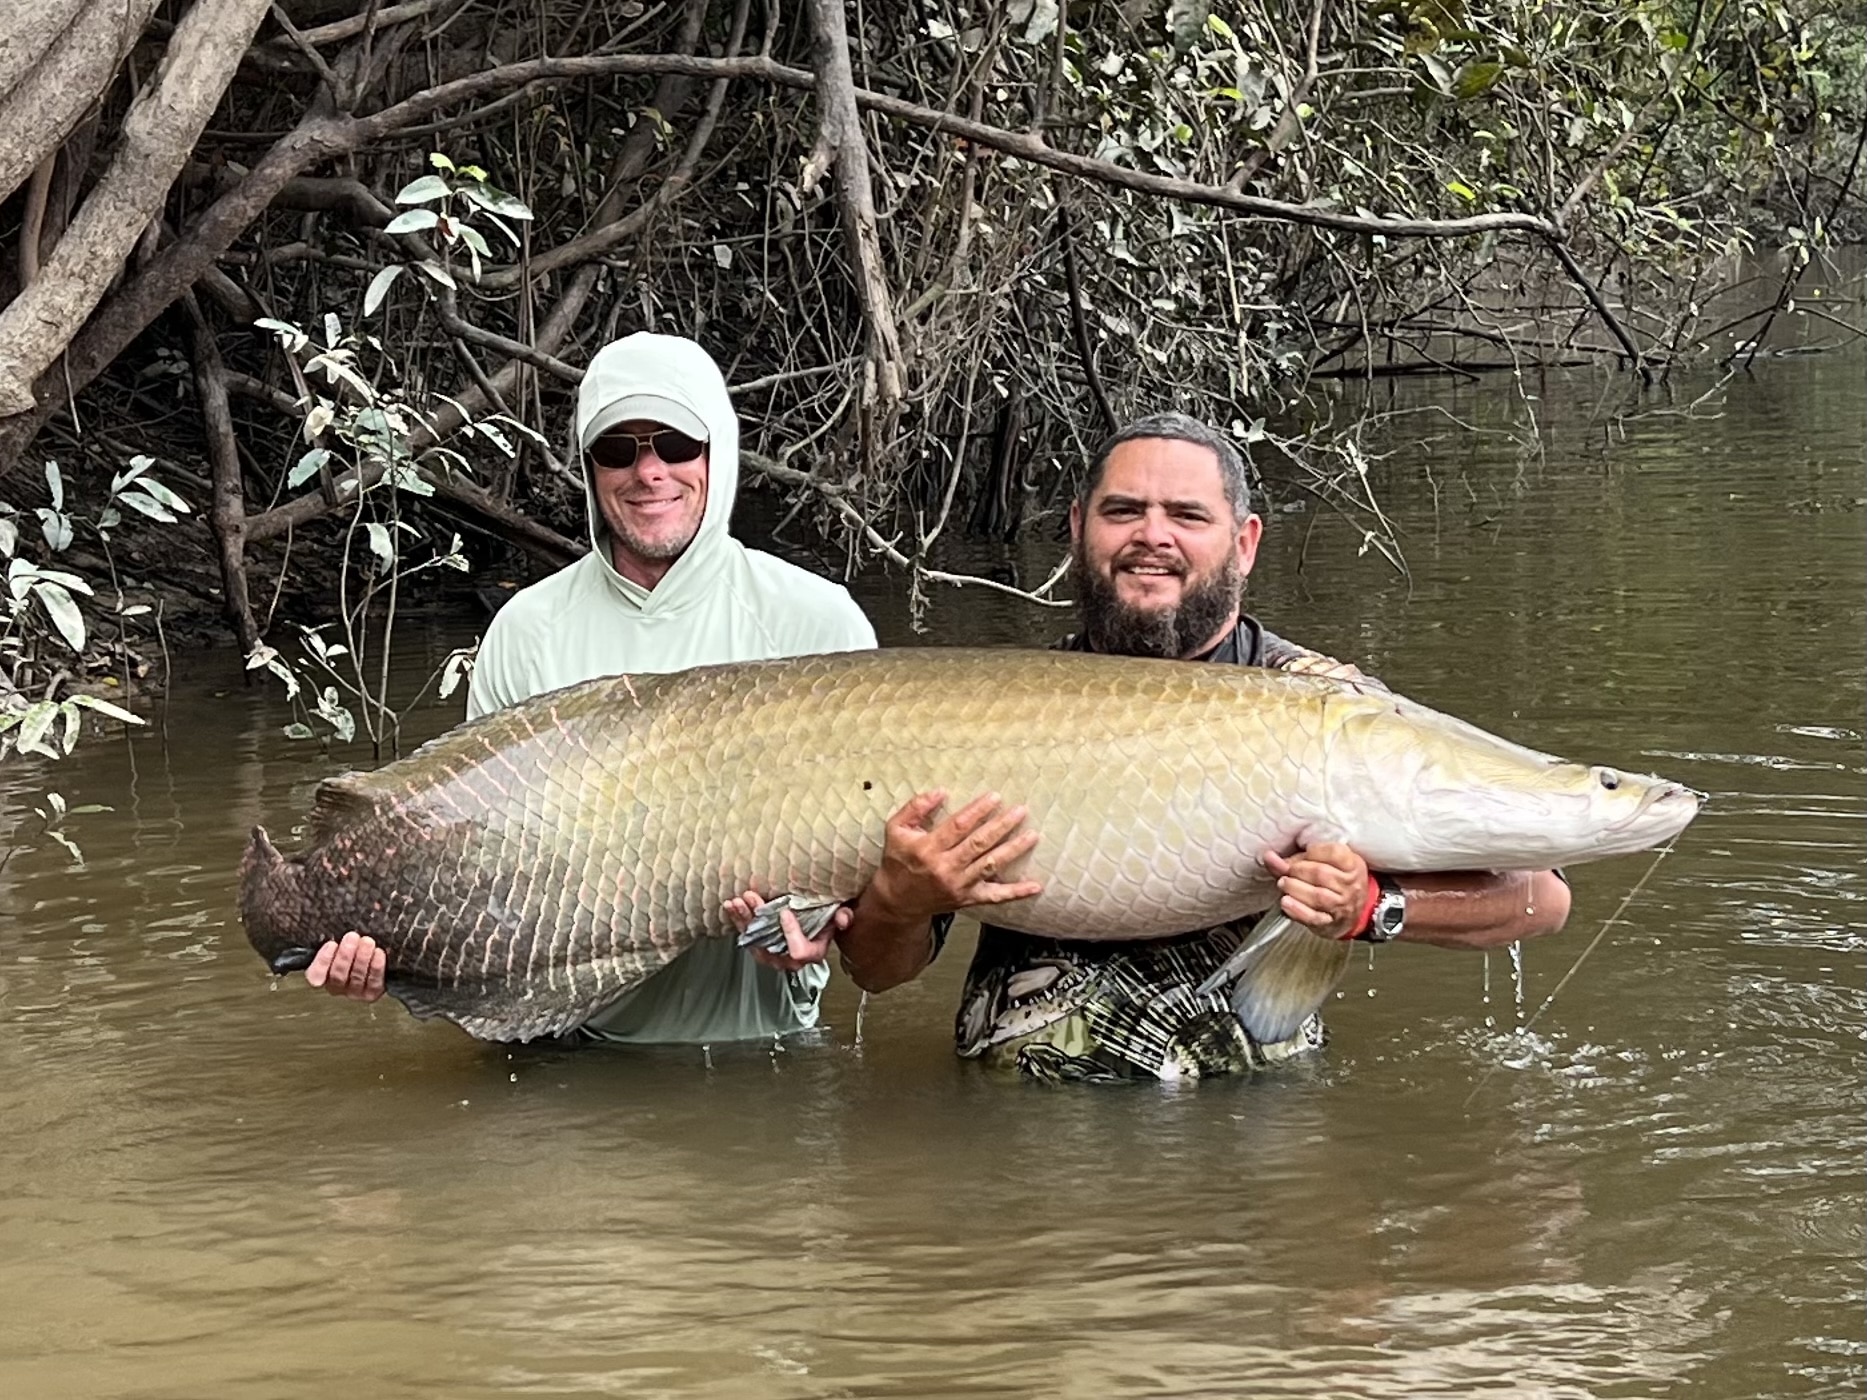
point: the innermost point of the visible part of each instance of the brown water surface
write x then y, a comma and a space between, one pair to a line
212, 1185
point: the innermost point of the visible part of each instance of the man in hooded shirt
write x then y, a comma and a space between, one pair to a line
666, 587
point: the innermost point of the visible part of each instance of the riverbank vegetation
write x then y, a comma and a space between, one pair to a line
330, 268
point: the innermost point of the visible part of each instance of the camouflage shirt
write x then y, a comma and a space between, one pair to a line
1056, 1009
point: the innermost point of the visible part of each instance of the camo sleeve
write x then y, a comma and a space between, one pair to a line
1280, 654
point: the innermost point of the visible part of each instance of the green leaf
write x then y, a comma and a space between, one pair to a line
439, 161
145, 505
56, 528
335, 369
297, 730
33, 723
73, 722
69, 581
138, 465
63, 611
412, 221
9, 537
55, 483
1475, 79
106, 709
405, 478
437, 273
166, 496
379, 288
307, 467
497, 201
381, 544
1463, 191
422, 190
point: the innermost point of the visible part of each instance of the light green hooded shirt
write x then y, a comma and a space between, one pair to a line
720, 602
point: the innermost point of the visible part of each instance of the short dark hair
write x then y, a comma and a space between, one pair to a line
1179, 427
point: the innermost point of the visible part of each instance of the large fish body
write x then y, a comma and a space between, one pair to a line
528, 868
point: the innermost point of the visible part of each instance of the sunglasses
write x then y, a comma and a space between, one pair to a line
617, 450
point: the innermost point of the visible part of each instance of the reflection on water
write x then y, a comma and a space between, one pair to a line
214, 1184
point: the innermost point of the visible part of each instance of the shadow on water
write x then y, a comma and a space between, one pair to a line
218, 1184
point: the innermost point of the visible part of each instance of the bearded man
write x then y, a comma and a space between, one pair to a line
1163, 538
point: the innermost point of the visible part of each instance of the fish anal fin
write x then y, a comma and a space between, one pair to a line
765, 931
1286, 980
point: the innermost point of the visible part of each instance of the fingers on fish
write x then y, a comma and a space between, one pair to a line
1284, 975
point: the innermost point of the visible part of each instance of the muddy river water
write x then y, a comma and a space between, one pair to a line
214, 1186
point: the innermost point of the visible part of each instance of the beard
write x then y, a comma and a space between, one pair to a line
668, 547
1119, 629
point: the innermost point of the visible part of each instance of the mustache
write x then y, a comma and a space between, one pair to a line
1172, 563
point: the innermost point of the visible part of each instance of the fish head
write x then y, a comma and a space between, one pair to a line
1436, 793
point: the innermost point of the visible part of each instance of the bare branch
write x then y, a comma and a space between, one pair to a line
840, 138
227, 515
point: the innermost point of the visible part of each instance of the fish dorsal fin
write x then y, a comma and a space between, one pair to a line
341, 802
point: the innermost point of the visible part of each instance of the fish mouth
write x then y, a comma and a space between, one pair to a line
290, 960
1663, 794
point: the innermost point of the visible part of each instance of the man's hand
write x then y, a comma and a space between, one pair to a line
800, 950
928, 870
1325, 888
351, 967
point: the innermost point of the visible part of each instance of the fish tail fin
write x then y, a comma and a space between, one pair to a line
272, 905
1288, 973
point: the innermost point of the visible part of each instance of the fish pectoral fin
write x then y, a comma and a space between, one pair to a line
766, 932
1288, 974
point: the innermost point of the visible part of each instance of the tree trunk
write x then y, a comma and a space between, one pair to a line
54, 67
158, 134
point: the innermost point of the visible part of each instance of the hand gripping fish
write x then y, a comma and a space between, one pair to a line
528, 868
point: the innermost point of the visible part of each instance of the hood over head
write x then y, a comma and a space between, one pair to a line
664, 379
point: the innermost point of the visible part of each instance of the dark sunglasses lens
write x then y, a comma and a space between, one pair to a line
614, 451
675, 448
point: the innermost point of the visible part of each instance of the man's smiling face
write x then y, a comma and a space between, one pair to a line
653, 508
1160, 556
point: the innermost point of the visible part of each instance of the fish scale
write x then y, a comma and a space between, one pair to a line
528, 868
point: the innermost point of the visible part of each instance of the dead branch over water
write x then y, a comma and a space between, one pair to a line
939, 247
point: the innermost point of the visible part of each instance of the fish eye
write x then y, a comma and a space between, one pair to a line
1609, 778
